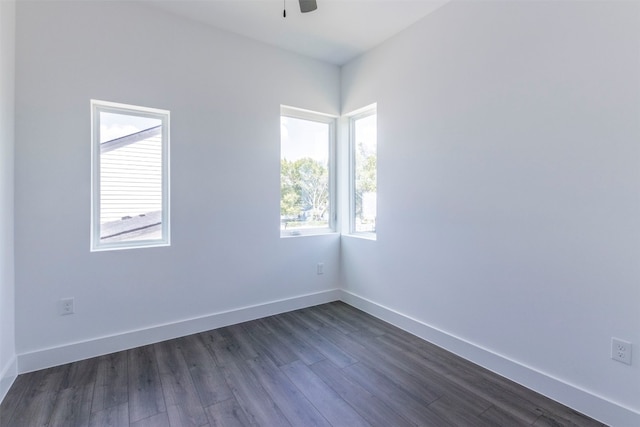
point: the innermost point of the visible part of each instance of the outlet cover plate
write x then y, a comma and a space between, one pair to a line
66, 306
621, 350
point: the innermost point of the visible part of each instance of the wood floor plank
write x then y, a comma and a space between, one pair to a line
72, 407
542, 405
249, 393
332, 352
565, 417
113, 416
269, 345
497, 417
81, 373
335, 409
338, 309
374, 325
372, 409
235, 335
211, 336
22, 384
180, 395
37, 404
460, 412
111, 387
227, 413
327, 318
293, 404
466, 379
145, 389
157, 420
545, 421
205, 374
421, 369
415, 383
302, 316
413, 407
300, 348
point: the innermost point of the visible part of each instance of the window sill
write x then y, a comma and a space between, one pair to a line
363, 236
286, 234
130, 245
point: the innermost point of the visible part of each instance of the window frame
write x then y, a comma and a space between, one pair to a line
314, 116
98, 107
359, 114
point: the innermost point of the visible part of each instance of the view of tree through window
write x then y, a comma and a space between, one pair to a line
304, 174
365, 142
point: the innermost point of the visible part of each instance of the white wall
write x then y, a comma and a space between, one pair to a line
7, 299
508, 195
509, 182
224, 93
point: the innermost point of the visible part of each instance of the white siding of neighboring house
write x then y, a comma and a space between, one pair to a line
131, 180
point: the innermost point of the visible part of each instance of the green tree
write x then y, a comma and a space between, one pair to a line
304, 187
365, 175
290, 199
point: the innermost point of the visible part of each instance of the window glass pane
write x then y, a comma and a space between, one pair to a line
304, 169
116, 125
365, 173
130, 204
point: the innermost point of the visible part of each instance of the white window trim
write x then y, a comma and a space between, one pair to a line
299, 113
113, 107
361, 113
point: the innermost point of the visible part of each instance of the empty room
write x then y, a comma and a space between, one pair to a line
330, 212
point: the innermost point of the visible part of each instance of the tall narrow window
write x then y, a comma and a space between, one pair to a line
364, 154
306, 172
130, 176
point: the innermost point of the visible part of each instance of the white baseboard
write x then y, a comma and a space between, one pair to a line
48, 357
574, 397
8, 375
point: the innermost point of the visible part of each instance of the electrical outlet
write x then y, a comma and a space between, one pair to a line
66, 306
320, 268
621, 351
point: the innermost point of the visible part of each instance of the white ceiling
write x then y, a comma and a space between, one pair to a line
338, 31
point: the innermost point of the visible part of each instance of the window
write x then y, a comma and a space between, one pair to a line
130, 176
364, 141
306, 172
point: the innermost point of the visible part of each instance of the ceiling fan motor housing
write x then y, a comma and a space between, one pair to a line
308, 6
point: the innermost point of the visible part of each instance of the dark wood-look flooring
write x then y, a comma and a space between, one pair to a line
330, 365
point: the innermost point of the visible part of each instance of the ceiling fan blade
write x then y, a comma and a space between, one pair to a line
308, 6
